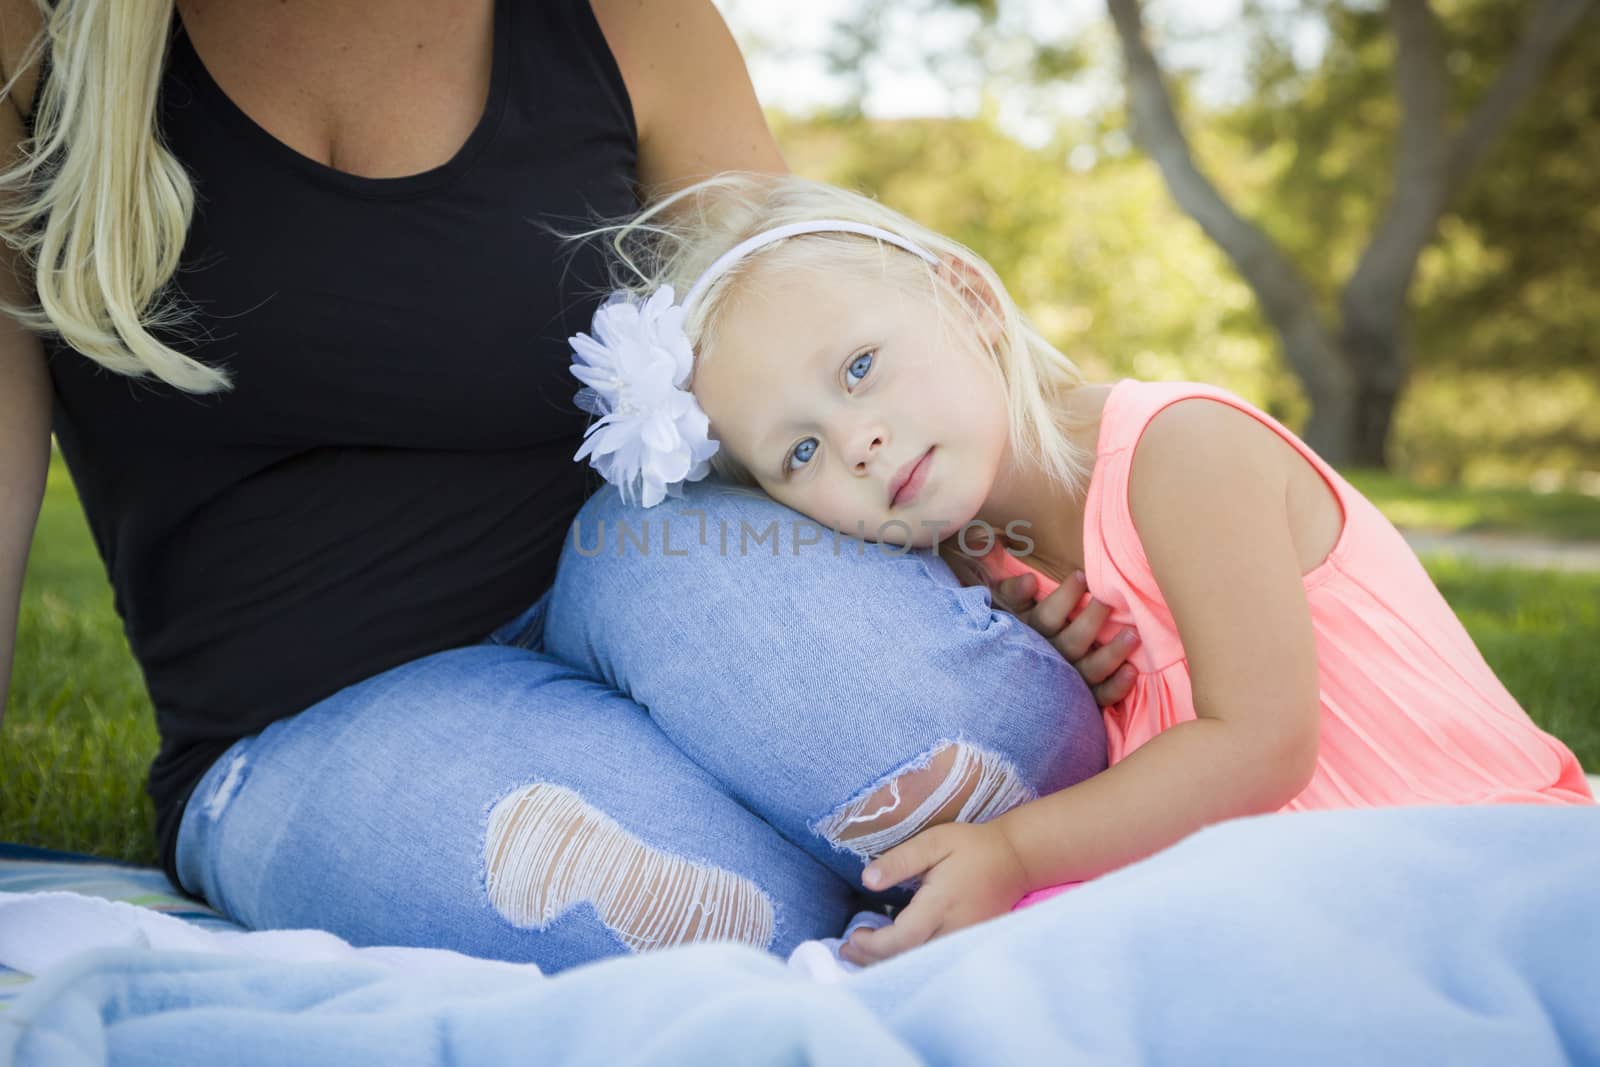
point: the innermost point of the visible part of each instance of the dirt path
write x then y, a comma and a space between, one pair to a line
1508, 550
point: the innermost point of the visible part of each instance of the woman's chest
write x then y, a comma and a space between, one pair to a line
377, 88
409, 329
429, 312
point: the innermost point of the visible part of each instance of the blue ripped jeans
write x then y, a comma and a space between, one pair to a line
701, 731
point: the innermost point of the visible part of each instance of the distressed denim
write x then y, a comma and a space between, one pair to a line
699, 732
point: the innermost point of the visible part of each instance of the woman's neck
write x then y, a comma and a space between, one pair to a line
1041, 509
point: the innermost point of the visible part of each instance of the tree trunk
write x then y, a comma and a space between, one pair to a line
1325, 376
1431, 166
1379, 379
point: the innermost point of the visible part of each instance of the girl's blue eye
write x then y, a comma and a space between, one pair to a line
801, 455
858, 369
860, 366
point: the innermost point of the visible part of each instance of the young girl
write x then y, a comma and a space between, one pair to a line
875, 376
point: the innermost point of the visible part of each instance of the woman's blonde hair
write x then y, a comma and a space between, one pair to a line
96, 208
677, 238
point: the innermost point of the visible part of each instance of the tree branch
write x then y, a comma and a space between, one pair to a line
1286, 298
1423, 85
1374, 298
1429, 167
1552, 22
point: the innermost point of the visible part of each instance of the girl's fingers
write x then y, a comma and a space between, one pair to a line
1050, 615
905, 861
1102, 661
1077, 638
1016, 594
912, 927
1105, 667
1116, 687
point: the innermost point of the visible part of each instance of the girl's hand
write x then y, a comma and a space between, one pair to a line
970, 872
1105, 667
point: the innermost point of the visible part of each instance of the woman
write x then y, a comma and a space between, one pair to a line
306, 354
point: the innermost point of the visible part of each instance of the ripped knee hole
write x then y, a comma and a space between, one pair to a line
958, 782
547, 851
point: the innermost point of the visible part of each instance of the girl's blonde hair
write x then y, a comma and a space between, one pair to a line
96, 208
677, 238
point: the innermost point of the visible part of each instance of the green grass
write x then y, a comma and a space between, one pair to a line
1452, 509
79, 733
1540, 631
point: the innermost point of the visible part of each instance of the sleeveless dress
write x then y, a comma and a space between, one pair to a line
1411, 713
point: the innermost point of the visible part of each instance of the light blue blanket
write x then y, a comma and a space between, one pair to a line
1402, 936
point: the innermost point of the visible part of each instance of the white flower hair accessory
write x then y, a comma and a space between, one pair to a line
652, 435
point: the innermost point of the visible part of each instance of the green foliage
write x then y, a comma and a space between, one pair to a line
1505, 285
1505, 427
1512, 282
1505, 304
1323, 141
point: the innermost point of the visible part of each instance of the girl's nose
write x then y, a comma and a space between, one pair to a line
868, 441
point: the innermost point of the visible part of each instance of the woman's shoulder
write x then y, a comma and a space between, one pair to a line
20, 24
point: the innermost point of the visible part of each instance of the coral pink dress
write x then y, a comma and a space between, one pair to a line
1411, 713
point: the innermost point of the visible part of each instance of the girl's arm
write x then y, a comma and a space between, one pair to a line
1208, 492
1209, 496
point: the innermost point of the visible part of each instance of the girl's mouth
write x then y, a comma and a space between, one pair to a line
908, 483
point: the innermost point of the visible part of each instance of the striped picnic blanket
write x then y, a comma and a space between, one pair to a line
31, 870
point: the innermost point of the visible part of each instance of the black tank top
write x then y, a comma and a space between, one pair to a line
391, 473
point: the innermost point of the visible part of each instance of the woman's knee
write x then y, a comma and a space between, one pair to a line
720, 565
848, 698
725, 574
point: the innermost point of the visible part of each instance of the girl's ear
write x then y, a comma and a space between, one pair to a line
978, 295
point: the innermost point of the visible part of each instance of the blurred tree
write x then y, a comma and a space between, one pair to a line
1515, 280
1354, 371
1503, 373
1408, 108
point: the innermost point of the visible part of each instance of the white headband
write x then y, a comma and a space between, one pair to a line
794, 229
652, 436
